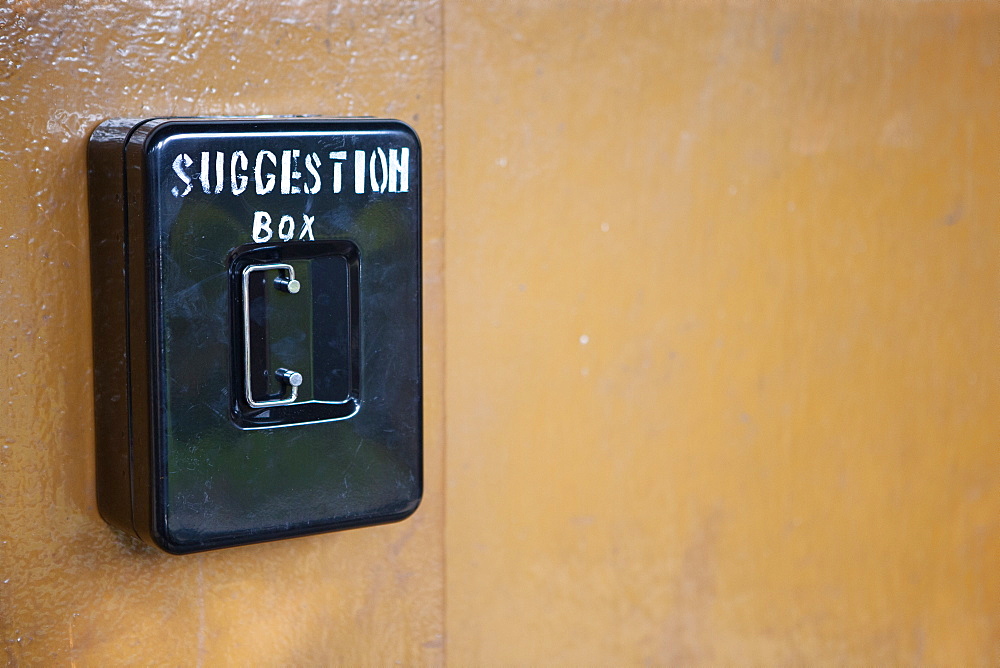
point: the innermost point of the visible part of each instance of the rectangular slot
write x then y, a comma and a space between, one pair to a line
309, 333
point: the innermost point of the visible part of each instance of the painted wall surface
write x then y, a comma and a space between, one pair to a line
722, 360
73, 591
717, 344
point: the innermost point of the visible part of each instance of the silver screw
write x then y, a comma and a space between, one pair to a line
293, 378
289, 285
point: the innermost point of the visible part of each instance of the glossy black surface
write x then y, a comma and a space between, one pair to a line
184, 461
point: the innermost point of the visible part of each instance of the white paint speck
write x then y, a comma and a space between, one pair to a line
584, 339
502, 161
605, 227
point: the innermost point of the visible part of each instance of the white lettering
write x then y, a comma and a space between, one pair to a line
312, 166
289, 173
262, 188
239, 180
282, 171
307, 227
220, 170
337, 155
261, 224
282, 233
359, 172
399, 167
385, 171
180, 162
203, 175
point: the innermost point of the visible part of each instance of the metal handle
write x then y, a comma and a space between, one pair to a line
289, 378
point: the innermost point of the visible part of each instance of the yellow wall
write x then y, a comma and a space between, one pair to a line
72, 591
721, 292
711, 334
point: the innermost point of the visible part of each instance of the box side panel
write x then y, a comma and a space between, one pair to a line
105, 174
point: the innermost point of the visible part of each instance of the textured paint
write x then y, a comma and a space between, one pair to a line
73, 591
722, 361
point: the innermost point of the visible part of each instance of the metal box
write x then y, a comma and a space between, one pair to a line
257, 326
